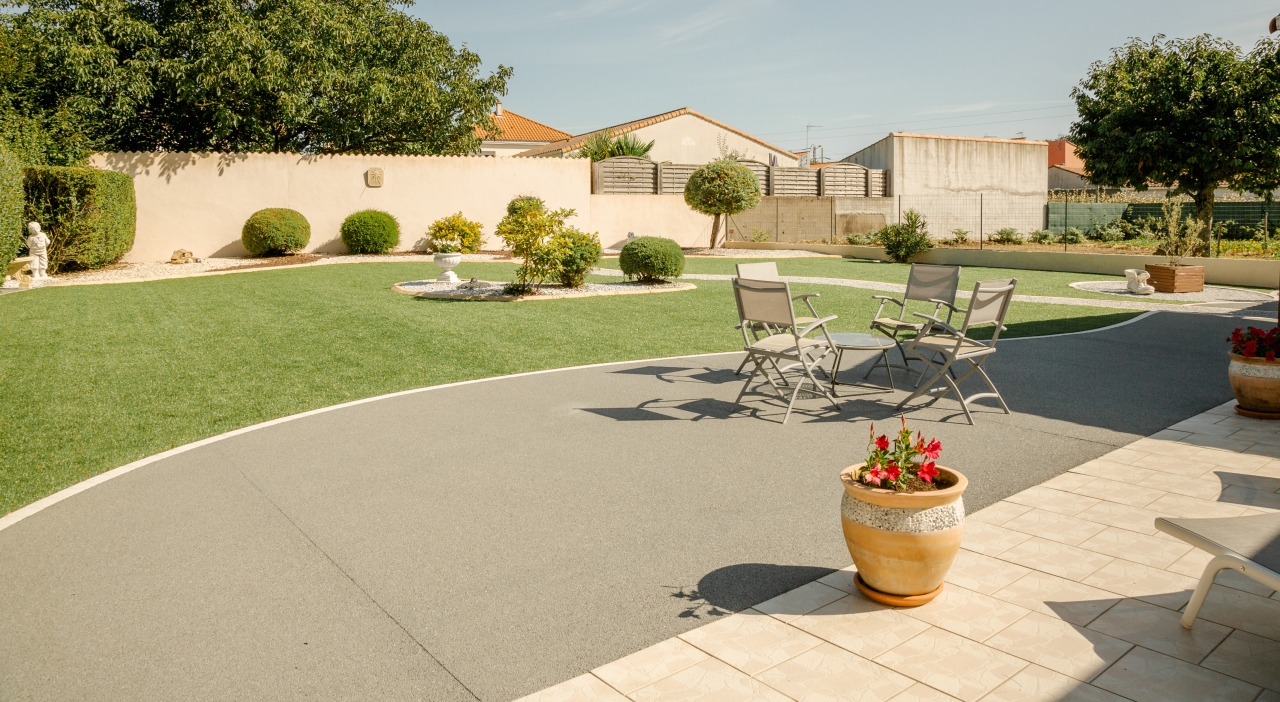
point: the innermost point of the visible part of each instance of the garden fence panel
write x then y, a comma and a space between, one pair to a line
842, 180
1085, 216
624, 175
793, 182
877, 183
672, 177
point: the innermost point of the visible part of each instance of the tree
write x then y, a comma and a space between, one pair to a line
303, 76
722, 188
1191, 114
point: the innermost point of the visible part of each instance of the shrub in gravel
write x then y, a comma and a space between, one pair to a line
275, 231
651, 259
1071, 235
370, 232
580, 252
1041, 236
1008, 235
455, 234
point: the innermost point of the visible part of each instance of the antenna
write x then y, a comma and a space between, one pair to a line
807, 127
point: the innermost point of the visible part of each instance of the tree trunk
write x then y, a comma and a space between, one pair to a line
1204, 212
715, 230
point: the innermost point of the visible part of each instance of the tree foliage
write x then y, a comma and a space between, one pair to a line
1191, 114
303, 76
722, 188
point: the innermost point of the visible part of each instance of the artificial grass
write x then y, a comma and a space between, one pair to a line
104, 375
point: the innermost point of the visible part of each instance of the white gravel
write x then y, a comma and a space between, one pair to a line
1211, 293
494, 290
908, 520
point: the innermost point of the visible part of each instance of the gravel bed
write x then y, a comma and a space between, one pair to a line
492, 290
1211, 293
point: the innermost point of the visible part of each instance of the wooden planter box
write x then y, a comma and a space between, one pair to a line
1176, 279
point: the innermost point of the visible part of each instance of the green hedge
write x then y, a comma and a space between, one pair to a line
88, 214
275, 230
651, 259
11, 199
370, 232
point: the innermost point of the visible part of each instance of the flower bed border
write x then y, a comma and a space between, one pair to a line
674, 287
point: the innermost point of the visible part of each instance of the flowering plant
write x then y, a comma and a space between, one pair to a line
903, 464
1253, 342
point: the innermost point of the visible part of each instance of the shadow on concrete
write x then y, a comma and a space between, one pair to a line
734, 588
676, 374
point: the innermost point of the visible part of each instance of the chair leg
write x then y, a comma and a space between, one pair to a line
1219, 563
994, 392
922, 387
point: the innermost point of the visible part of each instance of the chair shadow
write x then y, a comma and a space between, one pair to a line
680, 410
736, 587
683, 374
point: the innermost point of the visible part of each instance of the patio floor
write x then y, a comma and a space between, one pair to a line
1064, 591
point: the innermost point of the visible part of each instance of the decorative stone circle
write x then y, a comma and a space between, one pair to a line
489, 291
1211, 293
915, 521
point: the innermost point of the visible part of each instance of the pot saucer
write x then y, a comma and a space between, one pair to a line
885, 598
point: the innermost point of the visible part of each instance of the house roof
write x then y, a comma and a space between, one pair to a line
516, 127
572, 143
1071, 169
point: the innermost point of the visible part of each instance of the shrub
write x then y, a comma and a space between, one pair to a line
1008, 235
11, 224
580, 252
908, 238
275, 231
370, 232
1071, 235
533, 234
869, 239
88, 214
524, 204
1041, 236
763, 235
721, 188
651, 259
960, 236
455, 234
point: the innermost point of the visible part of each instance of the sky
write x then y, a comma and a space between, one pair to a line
854, 70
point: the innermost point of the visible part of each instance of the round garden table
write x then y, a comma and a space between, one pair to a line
853, 341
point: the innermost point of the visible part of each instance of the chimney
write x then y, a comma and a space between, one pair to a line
497, 111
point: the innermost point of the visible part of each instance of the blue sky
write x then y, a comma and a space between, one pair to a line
857, 69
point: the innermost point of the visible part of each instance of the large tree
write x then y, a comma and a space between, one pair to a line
1190, 114
304, 76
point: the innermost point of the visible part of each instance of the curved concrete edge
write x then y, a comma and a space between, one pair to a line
427, 295
21, 513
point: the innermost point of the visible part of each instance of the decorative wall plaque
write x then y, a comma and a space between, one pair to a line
373, 177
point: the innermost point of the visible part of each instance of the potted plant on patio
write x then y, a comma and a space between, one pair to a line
1255, 373
1178, 238
903, 516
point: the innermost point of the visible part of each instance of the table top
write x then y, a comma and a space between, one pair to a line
858, 341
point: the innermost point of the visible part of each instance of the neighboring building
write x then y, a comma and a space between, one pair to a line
928, 164
680, 136
1066, 169
516, 133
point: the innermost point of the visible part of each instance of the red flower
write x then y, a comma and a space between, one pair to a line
932, 450
882, 443
1271, 355
928, 471
1236, 337
875, 474
1250, 349
893, 472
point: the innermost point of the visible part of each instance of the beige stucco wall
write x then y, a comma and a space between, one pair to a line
615, 216
931, 166
200, 202
689, 139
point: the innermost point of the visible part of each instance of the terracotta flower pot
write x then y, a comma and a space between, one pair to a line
1256, 384
903, 543
1176, 279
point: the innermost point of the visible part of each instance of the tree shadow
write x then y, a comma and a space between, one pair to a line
735, 588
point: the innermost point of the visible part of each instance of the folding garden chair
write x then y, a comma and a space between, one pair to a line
940, 345
766, 305
925, 283
769, 271
1249, 545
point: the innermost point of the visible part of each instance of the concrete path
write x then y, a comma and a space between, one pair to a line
485, 541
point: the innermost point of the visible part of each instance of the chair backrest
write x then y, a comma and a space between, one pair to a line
929, 282
758, 271
767, 301
989, 305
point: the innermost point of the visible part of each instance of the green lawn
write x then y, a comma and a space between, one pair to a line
1047, 283
99, 376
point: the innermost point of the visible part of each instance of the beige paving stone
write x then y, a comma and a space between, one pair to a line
1054, 558
1232, 460
1191, 507
1036, 684
1060, 646
970, 614
1197, 426
1266, 450
1226, 409
1067, 503
831, 674
1144, 675
1271, 469
1204, 488
1159, 629
1166, 435
841, 579
920, 692
750, 641
1242, 610
1193, 564
584, 688
998, 513
1248, 657
649, 665
990, 539
1229, 443
1265, 501
1067, 481
1054, 526
861, 626
1114, 514
1058, 597
1249, 481
1185, 466
1258, 437
800, 601
711, 680
1116, 491
1101, 468
1139, 548
1123, 455
981, 573
1268, 696
953, 664
1159, 587
1164, 443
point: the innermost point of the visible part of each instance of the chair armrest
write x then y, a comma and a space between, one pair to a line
805, 296
935, 321
815, 325
886, 298
950, 306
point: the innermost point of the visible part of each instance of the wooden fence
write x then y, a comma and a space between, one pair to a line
629, 175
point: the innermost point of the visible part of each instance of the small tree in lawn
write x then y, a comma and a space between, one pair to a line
1192, 114
722, 188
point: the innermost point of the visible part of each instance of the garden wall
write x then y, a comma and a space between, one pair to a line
615, 216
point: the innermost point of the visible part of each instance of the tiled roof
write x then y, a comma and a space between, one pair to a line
514, 127
572, 143
1071, 169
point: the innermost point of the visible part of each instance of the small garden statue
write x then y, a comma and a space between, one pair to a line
1138, 281
38, 246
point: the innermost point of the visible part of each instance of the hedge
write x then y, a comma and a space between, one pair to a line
275, 230
370, 232
88, 214
12, 227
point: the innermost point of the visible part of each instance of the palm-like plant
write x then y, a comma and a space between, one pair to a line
599, 146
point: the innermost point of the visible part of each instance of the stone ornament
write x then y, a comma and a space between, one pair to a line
18, 274
38, 249
1138, 281
182, 256
373, 178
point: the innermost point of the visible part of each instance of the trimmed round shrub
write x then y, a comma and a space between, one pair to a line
581, 252
275, 231
454, 234
651, 259
721, 188
525, 204
370, 232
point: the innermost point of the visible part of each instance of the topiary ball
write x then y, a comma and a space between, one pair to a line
275, 230
370, 232
651, 259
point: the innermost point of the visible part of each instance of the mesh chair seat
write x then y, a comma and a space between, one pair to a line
892, 323
946, 342
786, 344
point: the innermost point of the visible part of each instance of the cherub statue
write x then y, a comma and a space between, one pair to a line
1138, 281
38, 246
